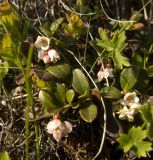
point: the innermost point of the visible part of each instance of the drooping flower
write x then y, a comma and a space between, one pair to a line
46, 59
58, 128
54, 56
105, 73
42, 43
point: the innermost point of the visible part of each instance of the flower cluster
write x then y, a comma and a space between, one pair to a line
45, 53
128, 106
105, 72
58, 128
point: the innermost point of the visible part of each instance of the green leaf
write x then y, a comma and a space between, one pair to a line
6, 42
137, 60
45, 31
58, 42
147, 112
3, 69
75, 27
150, 71
142, 148
147, 115
60, 93
149, 130
80, 83
137, 134
7, 53
111, 92
142, 78
54, 26
80, 3
60, 70
4, 156
127, 79
46, 99
70, 95
42, 85
104, 45
119, 59
118, 39
89, 112
104, 42
10, 18
134, 140
49, 103
125, 142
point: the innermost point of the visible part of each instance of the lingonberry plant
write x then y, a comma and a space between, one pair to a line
81, 87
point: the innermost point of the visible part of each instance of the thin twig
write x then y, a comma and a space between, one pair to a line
66, 7
119, 21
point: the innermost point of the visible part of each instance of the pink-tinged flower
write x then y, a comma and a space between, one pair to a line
105, 73
54, 56
42, 43
131, 99
46, 59
58, 128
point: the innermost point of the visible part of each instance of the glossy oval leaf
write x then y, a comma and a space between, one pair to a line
48, 102
111, 92
142, 78
149, 130
127, 79
4, 156
60, 93
60, 70
137, 60
80, 83
89, 112
70, 95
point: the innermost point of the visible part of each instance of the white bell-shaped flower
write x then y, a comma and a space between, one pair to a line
42, 43
105, 73
54, 56
58, 128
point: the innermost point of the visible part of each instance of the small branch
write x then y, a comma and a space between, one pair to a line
112, 18
72, 10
